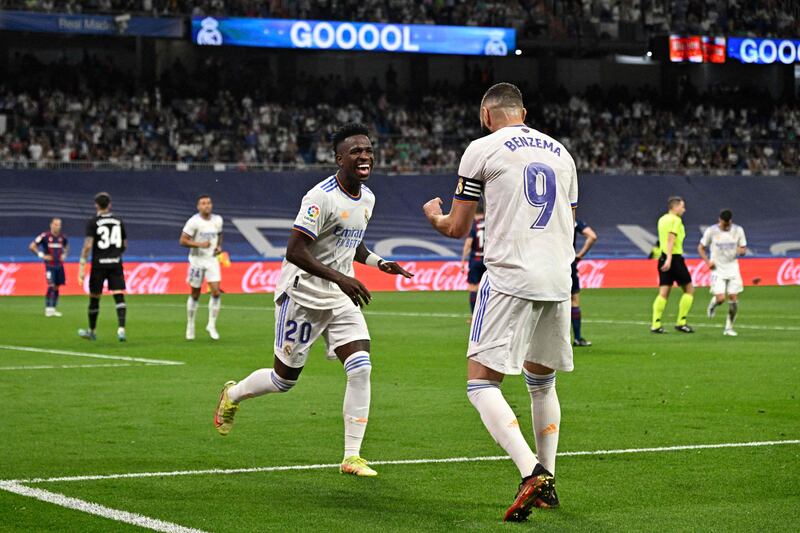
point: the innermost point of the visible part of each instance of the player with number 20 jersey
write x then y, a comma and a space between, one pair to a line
521, 322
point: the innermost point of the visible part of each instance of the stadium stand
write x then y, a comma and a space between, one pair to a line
57, 115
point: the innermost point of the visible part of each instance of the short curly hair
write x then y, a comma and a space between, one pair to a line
350, 129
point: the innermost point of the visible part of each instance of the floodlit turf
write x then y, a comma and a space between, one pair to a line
631, 389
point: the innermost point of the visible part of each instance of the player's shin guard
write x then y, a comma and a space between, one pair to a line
94, 310
48, 298
733, 308
122, 308
214, 303
260, 382
576, 322
684, 306
659, 304
191, 310
473, 297
501, 422
546, 414
355, 409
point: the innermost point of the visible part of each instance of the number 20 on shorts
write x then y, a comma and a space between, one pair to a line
304, 332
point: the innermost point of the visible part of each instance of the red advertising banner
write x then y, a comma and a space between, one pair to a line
25, 279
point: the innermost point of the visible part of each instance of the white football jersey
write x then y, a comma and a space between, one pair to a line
203, 230
723, 246
336, 221
529, 184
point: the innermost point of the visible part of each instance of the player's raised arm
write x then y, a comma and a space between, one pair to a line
457, 223
297, 252
367, 257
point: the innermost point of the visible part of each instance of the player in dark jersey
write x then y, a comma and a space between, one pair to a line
52, 247
106, 238
581, 228
473, 251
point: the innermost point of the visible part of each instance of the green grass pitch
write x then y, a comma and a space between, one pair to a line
630, 390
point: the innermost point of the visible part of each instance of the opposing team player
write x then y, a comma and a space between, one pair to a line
521, 322
52, 247
581, 228
672, 268
107, 241
726, 241
473, 252
317, 295
202, 234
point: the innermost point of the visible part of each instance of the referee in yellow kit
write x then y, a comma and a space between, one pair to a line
671, 266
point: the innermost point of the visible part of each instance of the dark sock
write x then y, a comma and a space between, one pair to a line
55, 296
121, 308
94, 310
48, 298
576, 322
473, 296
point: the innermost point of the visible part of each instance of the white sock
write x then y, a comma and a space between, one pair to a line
213, 310
191, 310
260, 382
546, 414
501, 422
355, 409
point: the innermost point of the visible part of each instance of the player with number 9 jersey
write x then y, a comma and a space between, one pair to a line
521, 321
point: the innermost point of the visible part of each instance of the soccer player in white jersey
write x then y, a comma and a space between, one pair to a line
202, 234
317, 295
521, 323
726, 242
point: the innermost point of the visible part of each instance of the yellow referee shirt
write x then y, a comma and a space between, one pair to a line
667, 224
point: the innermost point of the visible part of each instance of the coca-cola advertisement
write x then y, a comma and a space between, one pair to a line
25, 279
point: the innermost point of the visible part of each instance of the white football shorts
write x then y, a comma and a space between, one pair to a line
203, 269
297, 327
507, 331
730, 283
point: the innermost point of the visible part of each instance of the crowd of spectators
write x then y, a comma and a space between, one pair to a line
532, 18
87, 113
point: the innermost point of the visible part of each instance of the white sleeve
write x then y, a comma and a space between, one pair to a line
742, 238
706, 240
313, 213
190, 228
220, 224
573, 186
470, 174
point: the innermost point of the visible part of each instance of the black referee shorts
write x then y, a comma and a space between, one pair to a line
677, 273
100, 273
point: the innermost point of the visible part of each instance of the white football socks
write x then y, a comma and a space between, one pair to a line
546, 414
191, 310
501, 422
355, 409
260, 382
213, 310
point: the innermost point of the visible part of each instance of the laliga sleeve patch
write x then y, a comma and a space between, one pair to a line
312, 214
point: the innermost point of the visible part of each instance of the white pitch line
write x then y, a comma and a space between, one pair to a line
96, 509
92, 355
227, 471
694, 325
49, 367
412, 314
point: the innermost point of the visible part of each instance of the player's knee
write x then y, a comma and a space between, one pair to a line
358, 367
119, 299
720, 298
282, 384
477, 387
539, 383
